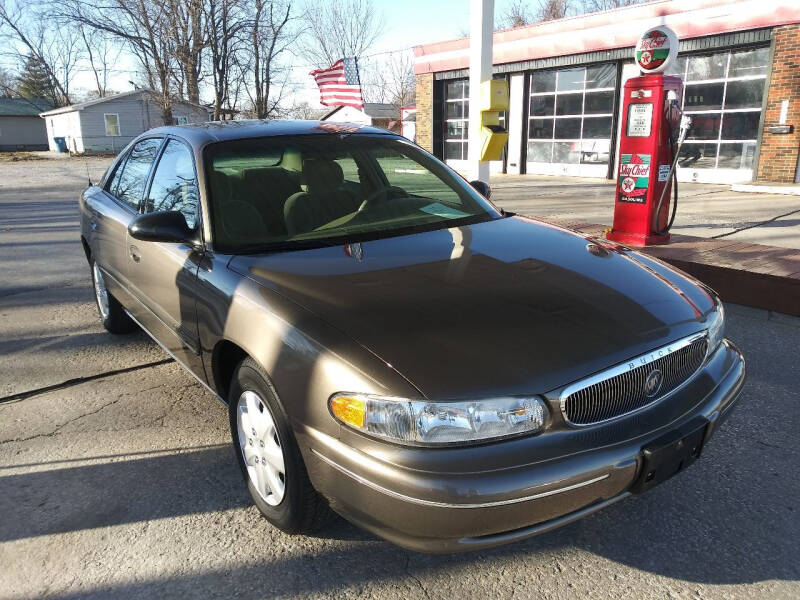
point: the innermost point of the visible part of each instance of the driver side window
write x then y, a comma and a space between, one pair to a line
174, 185
130, 179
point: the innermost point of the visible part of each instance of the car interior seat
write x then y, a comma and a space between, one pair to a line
240, 222
267, 189
324, 200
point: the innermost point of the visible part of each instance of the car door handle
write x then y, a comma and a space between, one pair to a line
133, 251
93, 225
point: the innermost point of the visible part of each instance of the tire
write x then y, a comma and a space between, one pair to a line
260, 430
112, 315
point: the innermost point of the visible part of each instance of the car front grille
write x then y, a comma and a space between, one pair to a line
633, 385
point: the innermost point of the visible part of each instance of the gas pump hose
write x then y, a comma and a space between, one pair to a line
673, 173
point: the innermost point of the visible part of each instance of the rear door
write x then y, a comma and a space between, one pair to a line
111, 211
164, 275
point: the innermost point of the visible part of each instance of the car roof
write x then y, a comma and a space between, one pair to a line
217, 131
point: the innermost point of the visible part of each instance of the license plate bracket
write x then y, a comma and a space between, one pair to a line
671, 453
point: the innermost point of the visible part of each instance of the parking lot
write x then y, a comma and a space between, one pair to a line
117, 479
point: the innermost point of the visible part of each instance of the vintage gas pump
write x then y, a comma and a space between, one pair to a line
652, 131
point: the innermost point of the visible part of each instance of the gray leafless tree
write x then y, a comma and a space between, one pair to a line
390, 78
144, 27
101, 55
226, 21
515, 13
271, 34
598, 5
29, 32
338, 28
188, 32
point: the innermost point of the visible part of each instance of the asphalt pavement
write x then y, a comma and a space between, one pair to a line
117, 478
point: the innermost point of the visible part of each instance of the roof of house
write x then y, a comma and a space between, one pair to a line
23, 107
375, 110
82, 105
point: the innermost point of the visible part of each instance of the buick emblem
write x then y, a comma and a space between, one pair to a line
653, 383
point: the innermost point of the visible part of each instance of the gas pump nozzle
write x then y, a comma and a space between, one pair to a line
686, 125
683, 130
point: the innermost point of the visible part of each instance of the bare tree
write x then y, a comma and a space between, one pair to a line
515, 14
226, 20
598, 5
270, 33
339, 28
305, 111
144, 27
34, 35
390, 79
101, 54
550, 10
8, 83
188, 32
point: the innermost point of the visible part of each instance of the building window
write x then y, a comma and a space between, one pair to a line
112, 124
456, 114
571, 115
182, 120
723, 93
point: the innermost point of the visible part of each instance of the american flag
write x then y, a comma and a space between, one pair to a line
339, 84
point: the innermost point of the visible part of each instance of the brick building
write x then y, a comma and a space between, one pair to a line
739, 59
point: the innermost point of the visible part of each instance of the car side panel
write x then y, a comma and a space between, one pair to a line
104, 224
163, 286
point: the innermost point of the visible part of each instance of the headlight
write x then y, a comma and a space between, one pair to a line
716, 327
421, 422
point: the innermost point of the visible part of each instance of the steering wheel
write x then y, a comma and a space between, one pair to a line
381, 195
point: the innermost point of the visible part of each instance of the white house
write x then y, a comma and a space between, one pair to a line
374, 113
108, 124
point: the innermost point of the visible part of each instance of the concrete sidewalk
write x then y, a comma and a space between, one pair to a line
704, 210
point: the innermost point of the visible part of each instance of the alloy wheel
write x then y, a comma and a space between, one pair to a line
100, 291
261, 447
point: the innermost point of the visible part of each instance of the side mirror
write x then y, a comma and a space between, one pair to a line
482, 188
162, 226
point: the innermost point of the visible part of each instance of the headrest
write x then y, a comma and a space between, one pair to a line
292, 160
322, 174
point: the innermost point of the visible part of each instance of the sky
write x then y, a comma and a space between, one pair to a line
408, 23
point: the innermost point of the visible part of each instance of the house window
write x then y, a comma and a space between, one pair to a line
182, 120
112, 124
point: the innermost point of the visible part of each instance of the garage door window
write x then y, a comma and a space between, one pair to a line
723, 95
570, 116
456, 114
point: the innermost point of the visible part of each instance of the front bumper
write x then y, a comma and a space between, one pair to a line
431, 510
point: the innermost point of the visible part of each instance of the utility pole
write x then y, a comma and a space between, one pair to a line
481, 18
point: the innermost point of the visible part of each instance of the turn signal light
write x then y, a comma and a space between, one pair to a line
349, 410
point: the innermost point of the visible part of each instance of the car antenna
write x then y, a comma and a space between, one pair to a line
88, 175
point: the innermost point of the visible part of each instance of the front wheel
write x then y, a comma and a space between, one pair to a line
112, 315
268, 456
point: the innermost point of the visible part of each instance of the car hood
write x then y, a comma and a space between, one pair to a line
509, 306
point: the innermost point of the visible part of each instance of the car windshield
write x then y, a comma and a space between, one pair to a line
292, 192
